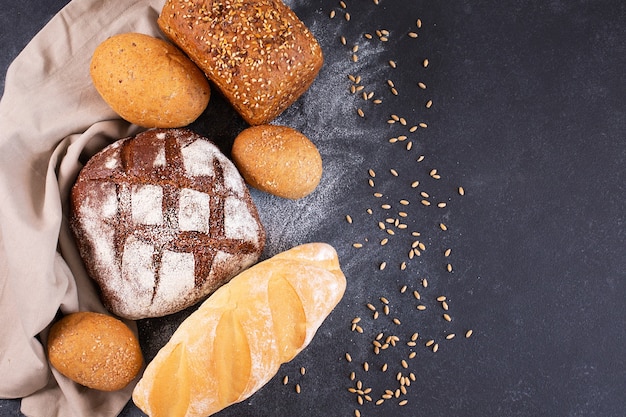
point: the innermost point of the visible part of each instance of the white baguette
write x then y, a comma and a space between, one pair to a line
237, 339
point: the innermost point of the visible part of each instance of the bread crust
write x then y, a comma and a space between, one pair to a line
148, 81
235, 342
278, 160
161, 220
94, 350
257, 52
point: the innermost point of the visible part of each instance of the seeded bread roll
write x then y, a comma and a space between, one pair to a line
257, 52
235, 342
161, 220
95, 350
278, 160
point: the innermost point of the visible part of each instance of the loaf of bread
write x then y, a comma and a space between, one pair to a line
161, 220
94, 350
237, 339
278, 160
257, 52
148, 81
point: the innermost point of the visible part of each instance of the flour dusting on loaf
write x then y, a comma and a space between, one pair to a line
163, 219
236, 341
258, 52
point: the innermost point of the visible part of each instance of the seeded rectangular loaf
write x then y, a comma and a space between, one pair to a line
257, 52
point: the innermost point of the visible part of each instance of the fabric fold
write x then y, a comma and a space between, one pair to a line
51, 121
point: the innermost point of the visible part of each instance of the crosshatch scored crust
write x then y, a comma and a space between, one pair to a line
162, 219
258, 53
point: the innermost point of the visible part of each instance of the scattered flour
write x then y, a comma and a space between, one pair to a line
326, 114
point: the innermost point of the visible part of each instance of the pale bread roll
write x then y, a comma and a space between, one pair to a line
148, 81
236, 341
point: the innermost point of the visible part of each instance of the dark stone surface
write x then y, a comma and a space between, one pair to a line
529, 117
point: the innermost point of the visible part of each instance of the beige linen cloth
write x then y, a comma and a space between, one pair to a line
51, 120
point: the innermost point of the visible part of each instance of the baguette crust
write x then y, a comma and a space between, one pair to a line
237, 340
257, 52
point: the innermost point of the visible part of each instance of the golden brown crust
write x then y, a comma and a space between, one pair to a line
278, 160
236, 341
95, 350
148, 81
258, 53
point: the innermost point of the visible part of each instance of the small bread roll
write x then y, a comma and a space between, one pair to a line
278, 160
95, 350
148, 81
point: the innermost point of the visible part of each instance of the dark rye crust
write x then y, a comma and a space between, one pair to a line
134, 167
258, 53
